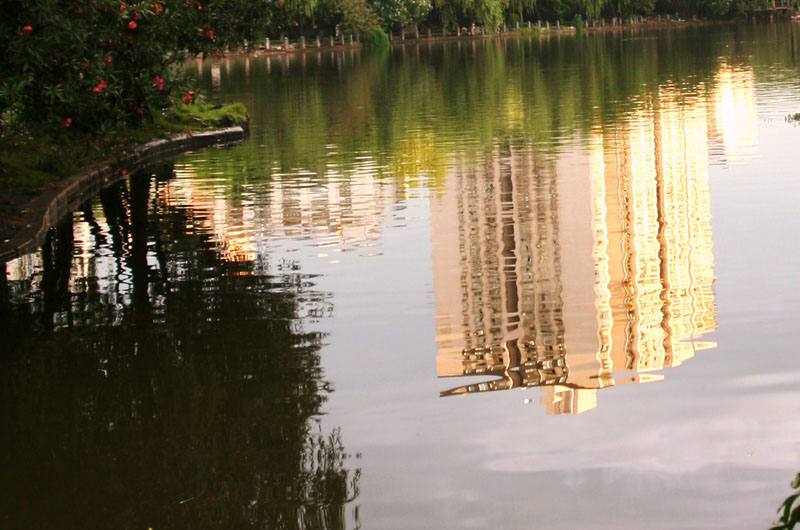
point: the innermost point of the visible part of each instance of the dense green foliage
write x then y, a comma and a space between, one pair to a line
398, 14
376, 40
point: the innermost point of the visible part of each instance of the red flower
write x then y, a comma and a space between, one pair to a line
199, 7
210, 34
108, 59
187, 97
123, 7
131, 25
124, 172
67, 121
214, 53
100, 86
27, 29
158, 82
136, 15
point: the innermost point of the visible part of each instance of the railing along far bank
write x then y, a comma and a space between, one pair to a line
542, 28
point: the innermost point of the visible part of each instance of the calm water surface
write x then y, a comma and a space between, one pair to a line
497, 283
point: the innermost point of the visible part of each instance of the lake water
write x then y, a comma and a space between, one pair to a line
517, 283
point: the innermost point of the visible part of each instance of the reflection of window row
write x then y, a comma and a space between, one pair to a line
332, 209
340, 209
650, 286
510, 323
664, 238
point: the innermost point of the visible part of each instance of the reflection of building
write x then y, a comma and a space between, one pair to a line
652, 208
544, 277
733, 123
332, 210
341, 209
497, 274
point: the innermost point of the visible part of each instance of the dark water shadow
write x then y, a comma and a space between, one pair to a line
147, 382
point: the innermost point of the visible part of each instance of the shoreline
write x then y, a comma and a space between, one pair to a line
47, 207
295, 47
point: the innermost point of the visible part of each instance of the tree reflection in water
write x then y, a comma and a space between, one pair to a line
155, 384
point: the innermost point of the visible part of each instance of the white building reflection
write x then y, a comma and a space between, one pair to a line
336, 209
547, 276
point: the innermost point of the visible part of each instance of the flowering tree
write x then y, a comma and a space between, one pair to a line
399, 14
95, 64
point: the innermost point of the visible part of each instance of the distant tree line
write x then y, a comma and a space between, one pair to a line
304, 17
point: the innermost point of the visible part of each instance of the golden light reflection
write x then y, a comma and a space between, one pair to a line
212, 213
532, 292
733, 118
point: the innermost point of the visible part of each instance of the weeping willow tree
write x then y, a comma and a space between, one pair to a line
633, 7
592, 8
289, 14
487, 13
520, 7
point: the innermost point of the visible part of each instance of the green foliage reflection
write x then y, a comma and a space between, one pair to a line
164, 387
411, 111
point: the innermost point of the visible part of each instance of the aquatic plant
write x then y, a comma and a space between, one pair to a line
790, 509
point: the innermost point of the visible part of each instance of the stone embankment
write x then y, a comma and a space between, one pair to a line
46, 208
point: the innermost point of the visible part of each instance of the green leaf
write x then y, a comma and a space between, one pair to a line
787, 506
794, 519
